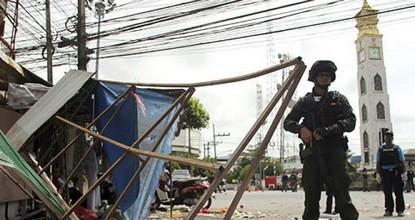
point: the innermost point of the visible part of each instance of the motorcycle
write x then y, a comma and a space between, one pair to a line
183, 192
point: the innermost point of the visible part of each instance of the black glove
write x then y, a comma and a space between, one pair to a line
329, 130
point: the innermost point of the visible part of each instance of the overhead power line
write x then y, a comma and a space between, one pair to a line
183, 27
255, 35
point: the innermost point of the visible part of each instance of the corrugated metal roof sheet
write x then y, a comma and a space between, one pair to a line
46, 107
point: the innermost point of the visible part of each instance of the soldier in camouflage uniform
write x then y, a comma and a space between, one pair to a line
325, 116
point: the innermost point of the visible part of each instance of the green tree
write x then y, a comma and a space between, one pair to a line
194, 115
244, 164
270, 165
244, 171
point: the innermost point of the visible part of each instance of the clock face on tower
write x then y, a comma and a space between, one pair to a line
374, 53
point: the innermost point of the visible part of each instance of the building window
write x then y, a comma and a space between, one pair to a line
365, 140
362, 85
366, 159
378, 83
380, 110
364, 113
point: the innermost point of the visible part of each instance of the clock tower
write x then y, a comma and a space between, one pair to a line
371, 76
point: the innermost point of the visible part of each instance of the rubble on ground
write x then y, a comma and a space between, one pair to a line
216, 213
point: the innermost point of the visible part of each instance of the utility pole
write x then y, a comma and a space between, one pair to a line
207, 149
82, 60
49, 42
214, 140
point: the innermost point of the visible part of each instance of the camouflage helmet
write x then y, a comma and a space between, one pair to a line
322, 66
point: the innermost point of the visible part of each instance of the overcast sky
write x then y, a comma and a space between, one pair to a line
232, 107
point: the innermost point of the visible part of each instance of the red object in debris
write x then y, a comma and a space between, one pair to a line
85, 214
204, 211
271, 182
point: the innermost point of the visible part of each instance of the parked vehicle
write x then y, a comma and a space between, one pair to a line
271, 182
183, 192
180, 175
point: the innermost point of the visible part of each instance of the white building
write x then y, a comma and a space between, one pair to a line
373, 96
291, 163
193, 139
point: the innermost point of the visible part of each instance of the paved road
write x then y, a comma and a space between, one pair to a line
276, 205
288, 205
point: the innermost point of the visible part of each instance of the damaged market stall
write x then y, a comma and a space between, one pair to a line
116, 117
135, 127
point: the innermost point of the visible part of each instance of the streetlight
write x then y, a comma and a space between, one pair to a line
101, 7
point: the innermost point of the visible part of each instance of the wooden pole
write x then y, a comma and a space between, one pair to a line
135, 151
17, 183
128, 148
122, 96
51, 187
261, 150
81, 160
46, 127
241, 146
156, 145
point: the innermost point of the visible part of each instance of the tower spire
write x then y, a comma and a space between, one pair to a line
367, 20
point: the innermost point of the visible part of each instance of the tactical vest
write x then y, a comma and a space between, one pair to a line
389, 156
326, 112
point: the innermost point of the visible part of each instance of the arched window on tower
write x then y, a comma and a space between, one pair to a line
364, 113
362, 85
378, 83
365, 140
366, 159
380, 110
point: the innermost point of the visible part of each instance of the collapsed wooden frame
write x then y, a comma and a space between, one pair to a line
288, 87
136, 151
290, 84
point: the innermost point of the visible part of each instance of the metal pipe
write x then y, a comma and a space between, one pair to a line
220, 81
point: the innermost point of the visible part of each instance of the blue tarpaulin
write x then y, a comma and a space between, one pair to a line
137, 113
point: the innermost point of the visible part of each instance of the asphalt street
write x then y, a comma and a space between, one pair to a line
289, 205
